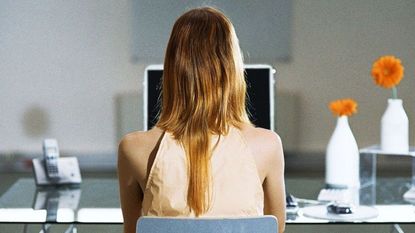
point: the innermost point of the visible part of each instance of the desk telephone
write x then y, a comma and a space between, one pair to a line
54, 170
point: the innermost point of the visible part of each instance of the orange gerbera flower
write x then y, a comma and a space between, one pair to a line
387, 71
343, 107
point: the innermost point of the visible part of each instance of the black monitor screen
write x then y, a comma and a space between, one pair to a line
259, 99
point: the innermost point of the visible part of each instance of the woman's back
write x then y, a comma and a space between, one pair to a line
262, 153
231, 162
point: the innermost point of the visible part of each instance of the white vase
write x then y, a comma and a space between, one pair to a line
342, 157
394, 128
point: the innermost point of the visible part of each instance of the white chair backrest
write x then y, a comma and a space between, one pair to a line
262, 224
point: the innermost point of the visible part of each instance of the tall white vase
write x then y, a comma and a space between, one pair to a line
394, 128
342, 157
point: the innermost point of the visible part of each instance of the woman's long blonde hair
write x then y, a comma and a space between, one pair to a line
203, 92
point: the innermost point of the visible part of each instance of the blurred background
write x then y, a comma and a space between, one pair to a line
73, 70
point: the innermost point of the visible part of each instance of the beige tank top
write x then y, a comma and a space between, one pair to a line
236, 189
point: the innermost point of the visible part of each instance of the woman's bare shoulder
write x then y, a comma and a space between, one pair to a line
261, 137
139, 142
134, 152
266, 146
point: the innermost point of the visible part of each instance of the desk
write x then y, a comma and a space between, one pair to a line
96, 201
386, 196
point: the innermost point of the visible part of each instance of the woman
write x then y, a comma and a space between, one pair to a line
204, 157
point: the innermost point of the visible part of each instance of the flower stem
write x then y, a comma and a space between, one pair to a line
394, 93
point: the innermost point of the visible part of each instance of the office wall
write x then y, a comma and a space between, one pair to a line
61, 65
269, 25
65, 64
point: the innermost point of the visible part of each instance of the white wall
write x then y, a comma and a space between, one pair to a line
63, 63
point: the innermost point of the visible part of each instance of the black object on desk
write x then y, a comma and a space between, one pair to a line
339, 208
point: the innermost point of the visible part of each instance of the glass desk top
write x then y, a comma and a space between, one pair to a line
96, 201
385, 196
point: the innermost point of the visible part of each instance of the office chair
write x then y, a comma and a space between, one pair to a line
262, 224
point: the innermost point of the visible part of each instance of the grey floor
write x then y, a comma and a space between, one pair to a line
309, 190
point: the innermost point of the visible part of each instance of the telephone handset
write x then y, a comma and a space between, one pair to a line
51, 156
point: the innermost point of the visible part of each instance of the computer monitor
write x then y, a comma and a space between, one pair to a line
260, 101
